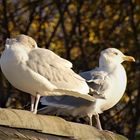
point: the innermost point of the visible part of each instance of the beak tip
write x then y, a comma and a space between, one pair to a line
132, 59
129, 58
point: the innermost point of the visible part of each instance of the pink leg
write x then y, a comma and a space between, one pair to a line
90, 120
32, 103
36, 104
98, 122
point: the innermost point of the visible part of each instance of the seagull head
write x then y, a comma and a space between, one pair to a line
113, 56
26, 41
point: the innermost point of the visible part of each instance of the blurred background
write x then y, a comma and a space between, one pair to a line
78, 30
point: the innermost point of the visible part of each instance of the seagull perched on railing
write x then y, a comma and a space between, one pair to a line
107, 81
40, 72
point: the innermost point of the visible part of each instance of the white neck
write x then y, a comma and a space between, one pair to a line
108, 66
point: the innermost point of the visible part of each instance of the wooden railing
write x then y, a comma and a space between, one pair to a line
20, 124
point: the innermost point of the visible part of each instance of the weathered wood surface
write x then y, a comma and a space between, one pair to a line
23, 125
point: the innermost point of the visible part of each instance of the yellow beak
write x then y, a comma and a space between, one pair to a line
129, 58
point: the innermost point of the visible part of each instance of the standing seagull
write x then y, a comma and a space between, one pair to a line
39, 71
108, 81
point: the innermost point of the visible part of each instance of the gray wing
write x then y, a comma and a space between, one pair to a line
97, 81
56, 70
65, 101
64, 105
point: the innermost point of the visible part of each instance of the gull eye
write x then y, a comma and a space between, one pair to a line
115, 53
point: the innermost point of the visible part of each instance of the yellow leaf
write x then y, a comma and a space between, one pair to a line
91, 36
101, 25
117, 30
116, 17
10, 26
75, 52
127, 18
35, 25
129, 29
108, 8
72, 8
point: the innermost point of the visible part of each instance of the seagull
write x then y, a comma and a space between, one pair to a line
39, 71
107, 83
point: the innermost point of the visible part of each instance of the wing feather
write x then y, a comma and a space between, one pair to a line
66, 105
97, 81
56, 70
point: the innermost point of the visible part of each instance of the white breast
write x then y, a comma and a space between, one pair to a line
17, 73
115, 92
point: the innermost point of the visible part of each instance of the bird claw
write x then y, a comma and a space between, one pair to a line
35, 112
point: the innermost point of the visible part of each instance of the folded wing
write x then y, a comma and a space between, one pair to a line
97, 81
56, 70
66, 105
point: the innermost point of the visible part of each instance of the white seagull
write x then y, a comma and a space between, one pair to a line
40, 72
108, 81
